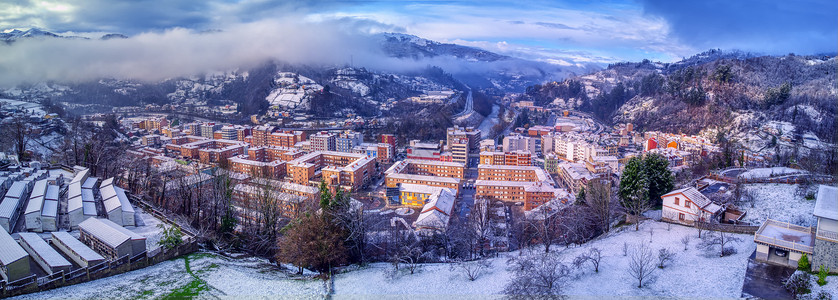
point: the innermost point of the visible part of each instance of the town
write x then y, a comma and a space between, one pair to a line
418, 149
184, 186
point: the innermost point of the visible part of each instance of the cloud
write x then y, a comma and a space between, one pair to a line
765, 26
179, 52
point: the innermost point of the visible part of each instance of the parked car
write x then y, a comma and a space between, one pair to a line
781, 253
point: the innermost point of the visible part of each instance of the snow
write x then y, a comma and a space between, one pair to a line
693, 274
147, 228
830, 287
35, 108
778, 202
770, 172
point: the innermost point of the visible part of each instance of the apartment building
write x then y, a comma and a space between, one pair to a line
519, 142
347, 140
470, 134
422, 172
460, 149
323, 141
514, 158
348, 170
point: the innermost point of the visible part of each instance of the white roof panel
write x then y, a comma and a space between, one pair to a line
89, 209
35, 205
50, 209
90, 183
102, 231
39, 189
9, 207
87, 195
108, 192
123, 200
827, 203
52, 192
16, 190
74, 204
74, 190
10, 251
42, 249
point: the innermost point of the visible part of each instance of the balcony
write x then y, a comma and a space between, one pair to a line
831, 236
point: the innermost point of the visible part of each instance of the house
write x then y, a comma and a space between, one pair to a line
688, 205
783, 243
826, 234
436, 213
14, 261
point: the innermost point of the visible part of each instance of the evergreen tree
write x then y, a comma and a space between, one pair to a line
325, 195
634, 189
656, 171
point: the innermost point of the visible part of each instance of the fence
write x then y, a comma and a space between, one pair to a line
123, 264
732, 228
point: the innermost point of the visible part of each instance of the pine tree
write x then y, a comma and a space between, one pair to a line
634, 190
656, 171
325, 195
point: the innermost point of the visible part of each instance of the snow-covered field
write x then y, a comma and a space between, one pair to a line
694, 273
778, 202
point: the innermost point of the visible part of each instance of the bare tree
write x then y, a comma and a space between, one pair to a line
635, 205
641, 263
625, 248
16, 134
601, 200
686, 241
594, 256
536, 276
721, 239
544, 225
473, 268
411, 257
665, 256
480, 223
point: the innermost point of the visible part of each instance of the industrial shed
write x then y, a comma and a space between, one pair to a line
10, 207
76, 250
44, 255
49, 215
117, 206
14, 261
32, 214
110, 239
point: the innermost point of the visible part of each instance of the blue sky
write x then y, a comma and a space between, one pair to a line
580, 31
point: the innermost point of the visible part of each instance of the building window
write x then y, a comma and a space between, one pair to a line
681, 217
677, 200
687, 204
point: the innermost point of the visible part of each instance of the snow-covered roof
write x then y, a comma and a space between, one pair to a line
74, 244
123, 200
50, 209
39, 189
106, 182
10, 251
74, 204
34, 205
74, 190
436, 213
419, 188
696, 197
87, 195
108, 192
52, 192
43, 250
9, 207
16, 190
827, 203
90, 183
80, 176
89, 209
107, 231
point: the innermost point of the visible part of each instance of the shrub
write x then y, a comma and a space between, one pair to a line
803, 264
822, 273
172, 236
799, 283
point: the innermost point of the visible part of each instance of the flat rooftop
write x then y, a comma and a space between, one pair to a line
785, 235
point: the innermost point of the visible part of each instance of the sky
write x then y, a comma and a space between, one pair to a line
557, 32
